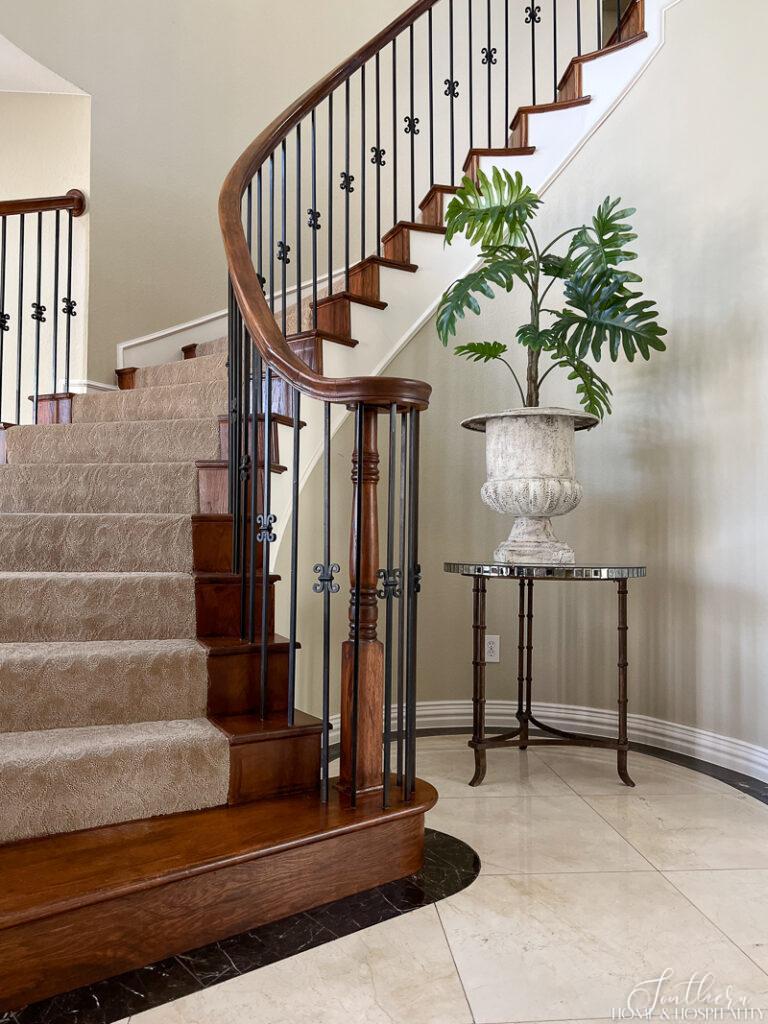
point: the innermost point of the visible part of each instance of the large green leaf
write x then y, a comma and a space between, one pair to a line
536, 338
462, 295
603, 311
594, 392
481, 351
493, 211
604, 245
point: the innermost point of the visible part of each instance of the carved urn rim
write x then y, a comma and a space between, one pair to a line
581, 420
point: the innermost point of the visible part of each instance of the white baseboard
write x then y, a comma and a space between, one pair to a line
725, 751
165, 346
81, 387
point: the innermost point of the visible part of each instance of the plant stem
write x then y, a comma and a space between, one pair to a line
532, 375
517, 379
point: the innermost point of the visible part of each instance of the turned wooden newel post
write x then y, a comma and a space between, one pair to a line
370, 709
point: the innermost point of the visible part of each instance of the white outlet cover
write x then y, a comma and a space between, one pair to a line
492, 648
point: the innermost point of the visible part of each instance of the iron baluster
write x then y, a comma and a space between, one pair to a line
38, 314
231, 412
452, 91
327, 588
260, 228
249, 216
283, 247
68, 304
272, 232
414, 587
471, 76
358, 560
394, 131
362, 163
431, 101
378, 155
265, 535
294, 554
401, 607
20, 318
618, 21
257, 462
533, 18
389, 593
316, 225
55, 338
330, 197
411, 124
4, 317
346, 184
598, 6
489, 59
578, 27
554, 48
299, 310
248, 458
505, 135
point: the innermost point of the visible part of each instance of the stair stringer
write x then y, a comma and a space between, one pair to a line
412, 299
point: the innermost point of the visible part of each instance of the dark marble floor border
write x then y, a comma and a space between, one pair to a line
450, 866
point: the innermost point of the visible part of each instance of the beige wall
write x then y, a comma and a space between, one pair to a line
179, 88
676, 478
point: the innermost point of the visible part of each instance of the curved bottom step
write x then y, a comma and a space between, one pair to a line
75, 908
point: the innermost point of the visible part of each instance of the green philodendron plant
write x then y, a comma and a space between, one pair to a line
602, 308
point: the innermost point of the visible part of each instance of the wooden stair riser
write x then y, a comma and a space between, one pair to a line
632, 22
81, 942
126, 378
224, 424
398, 246
212, 543
234, 681
472, 163
435, 204
271, 768
571, 85
217, 606
365, 280
213, 486
55, 408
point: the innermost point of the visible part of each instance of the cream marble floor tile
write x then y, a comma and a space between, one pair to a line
510, 773
400, 972
593, 773
700, 830
533, 834
736, 901
555, 947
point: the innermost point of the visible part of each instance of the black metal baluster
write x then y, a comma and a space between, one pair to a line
489, 58
283, 247
247, 457
554, 48
618, 21
68, 304
378, 155
414, 586
390, 592
326, 586
299, 310
598, 5
260, 228
294, 554
505, 136
257, 403
533, 18
394, 131
4, 317
249, 216
314, 220
452, 91
471, 76
232, 468
358, 560
330, 195
431, 101
401, 607
20, 327
38, 310
578, 27
272, 232
346, 184
411, 125
265, 535
363, 207
234, 439
55, 339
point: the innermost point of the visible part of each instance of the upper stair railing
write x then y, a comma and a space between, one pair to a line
321, 184
37, 303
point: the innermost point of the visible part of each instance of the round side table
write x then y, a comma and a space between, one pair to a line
526, 576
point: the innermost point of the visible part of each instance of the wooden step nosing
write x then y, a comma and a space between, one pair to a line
428, 798
346, 296
447, 190
548, 108
508, 151
336, 339
585, 58
411, 225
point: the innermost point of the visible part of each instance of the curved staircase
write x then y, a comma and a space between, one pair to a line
152, 760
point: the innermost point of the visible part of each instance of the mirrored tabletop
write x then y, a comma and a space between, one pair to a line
500, 570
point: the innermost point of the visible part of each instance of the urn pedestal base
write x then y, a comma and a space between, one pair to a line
532, 542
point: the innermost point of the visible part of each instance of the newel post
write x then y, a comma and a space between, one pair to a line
370, 686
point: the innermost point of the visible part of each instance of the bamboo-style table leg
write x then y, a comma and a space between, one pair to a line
478, 678
623, 740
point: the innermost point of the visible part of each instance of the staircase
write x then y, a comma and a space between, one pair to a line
153, 761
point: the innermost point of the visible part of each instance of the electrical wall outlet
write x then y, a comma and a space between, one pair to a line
492, 648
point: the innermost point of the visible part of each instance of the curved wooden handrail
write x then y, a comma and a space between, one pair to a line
257, 316
74, 200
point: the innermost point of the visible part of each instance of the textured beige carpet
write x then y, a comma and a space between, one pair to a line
103, 687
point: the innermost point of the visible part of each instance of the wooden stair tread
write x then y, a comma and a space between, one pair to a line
545, 108
585, 58
222, 646
222, 464
507, 151
230, 577
322, 335
252, 729
382, 261
446, 189
42, 877
412, 225
351, 297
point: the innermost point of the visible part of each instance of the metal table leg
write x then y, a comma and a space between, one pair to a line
623, 739
478, 678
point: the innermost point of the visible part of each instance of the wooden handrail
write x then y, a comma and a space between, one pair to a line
74, 200
258, 318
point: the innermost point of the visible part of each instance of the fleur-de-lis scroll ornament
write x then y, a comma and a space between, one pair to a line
378, 156
282, 253
452, 88
489, 55
532, 15
411, 125
325, 578
347, 182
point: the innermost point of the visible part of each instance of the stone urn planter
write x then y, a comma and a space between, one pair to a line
530, 462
